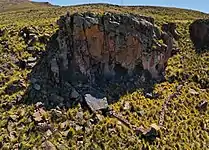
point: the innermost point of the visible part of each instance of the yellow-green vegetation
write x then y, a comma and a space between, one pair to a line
184, 126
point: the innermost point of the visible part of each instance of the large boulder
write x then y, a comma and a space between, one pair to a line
96, 54
199, 33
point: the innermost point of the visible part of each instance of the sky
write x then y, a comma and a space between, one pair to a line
201, 5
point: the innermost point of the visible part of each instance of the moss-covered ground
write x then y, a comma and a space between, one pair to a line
24, 126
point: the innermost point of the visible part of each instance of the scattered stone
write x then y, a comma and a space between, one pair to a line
141, 112
31, 59
47, 145
150, 133
31, 65
34, 148
155, 127
79, 142
87, 130
96, 103
30, 48
63, 125
126, 105
112, 130
48, 132
65, 133
31, 62
21, 112
56, 113
41, 111
39, 105
7, 105
44, 127
152, 95
33, 36
203, 125
16, 146
78, 128
193, 92
203, 105
99, 117
14, 117
37, 116
79, 115
179, 88
148, 95
13, 135
29, 34
10, 126
203, 90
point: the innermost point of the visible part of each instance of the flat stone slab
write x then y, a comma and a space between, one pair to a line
96, 103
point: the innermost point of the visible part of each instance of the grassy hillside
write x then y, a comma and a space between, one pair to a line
11, 5
25, 126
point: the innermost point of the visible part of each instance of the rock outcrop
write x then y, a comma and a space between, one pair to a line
199, 33
171, 28
92, 53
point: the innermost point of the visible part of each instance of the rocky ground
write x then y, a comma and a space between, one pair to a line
173, 116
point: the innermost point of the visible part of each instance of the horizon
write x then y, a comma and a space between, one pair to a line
187, 4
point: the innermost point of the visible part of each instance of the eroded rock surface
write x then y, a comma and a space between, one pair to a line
199, 33
97, 54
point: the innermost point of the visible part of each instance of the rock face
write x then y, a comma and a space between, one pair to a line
91, 53
199, 33
170, 28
